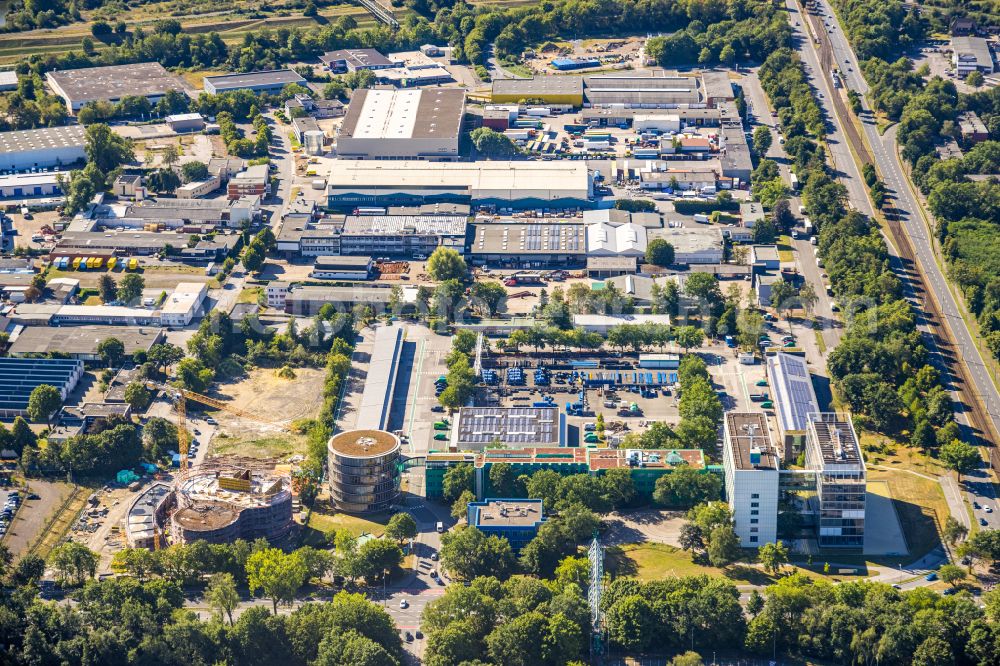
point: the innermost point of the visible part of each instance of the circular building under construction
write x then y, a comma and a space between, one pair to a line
225, 502
364, 470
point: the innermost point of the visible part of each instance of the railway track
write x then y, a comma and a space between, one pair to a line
922, 298
52, 532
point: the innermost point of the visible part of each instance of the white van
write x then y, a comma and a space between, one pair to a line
440, 526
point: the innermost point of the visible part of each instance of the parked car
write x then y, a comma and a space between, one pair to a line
437, 408
403, 603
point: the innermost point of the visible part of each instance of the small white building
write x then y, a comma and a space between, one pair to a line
659, 122
199, 188
751, 467
184, 304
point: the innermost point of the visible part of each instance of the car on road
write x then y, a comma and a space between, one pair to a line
210, 421
434, 556
403, 603
441, 437
988, 509
437, 408
408, 636
418, 634
931, 576
982, 521
975, 504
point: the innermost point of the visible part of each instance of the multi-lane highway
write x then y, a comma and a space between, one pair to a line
971, 381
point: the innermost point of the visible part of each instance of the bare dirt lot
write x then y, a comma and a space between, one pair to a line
278, 402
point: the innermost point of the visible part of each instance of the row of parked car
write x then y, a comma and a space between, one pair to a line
9, 509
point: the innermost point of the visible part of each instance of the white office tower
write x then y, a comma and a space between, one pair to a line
751, 467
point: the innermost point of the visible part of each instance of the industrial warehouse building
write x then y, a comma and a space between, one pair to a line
558, 90
20, 376
27, 185
529, 244
695, 245
79, 87
353, 60
412, 236
343, 268
751, 467
553, 185
41, 148
624, 240
620, 92
81, 342
477, 428
307, 301
656, 89
271, 81
402, 124
139, 243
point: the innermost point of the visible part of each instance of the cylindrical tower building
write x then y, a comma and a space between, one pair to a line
363, 470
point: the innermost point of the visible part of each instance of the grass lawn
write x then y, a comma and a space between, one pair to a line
655, 561
920, 505
276, 446
250, 295
785, 254
883, 450
325, 518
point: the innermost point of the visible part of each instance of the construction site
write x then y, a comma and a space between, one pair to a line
222, 500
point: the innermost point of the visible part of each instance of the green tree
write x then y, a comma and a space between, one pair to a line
773, 556
446, 263
690, 658
107, 288
43, 403
458, 478
761, 139
194, 171
111, 351
468, 553
686, 487
222, 596
106, 149
460, 507
953, 531
960, 456
659, 252
138, 397
375, 557
689, 337
975, 79
401, 527
723, 546
277, 575
951, 574
933, 651
74, 562
492, 144
130, 288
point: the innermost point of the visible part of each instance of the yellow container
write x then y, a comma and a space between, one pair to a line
111, 263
